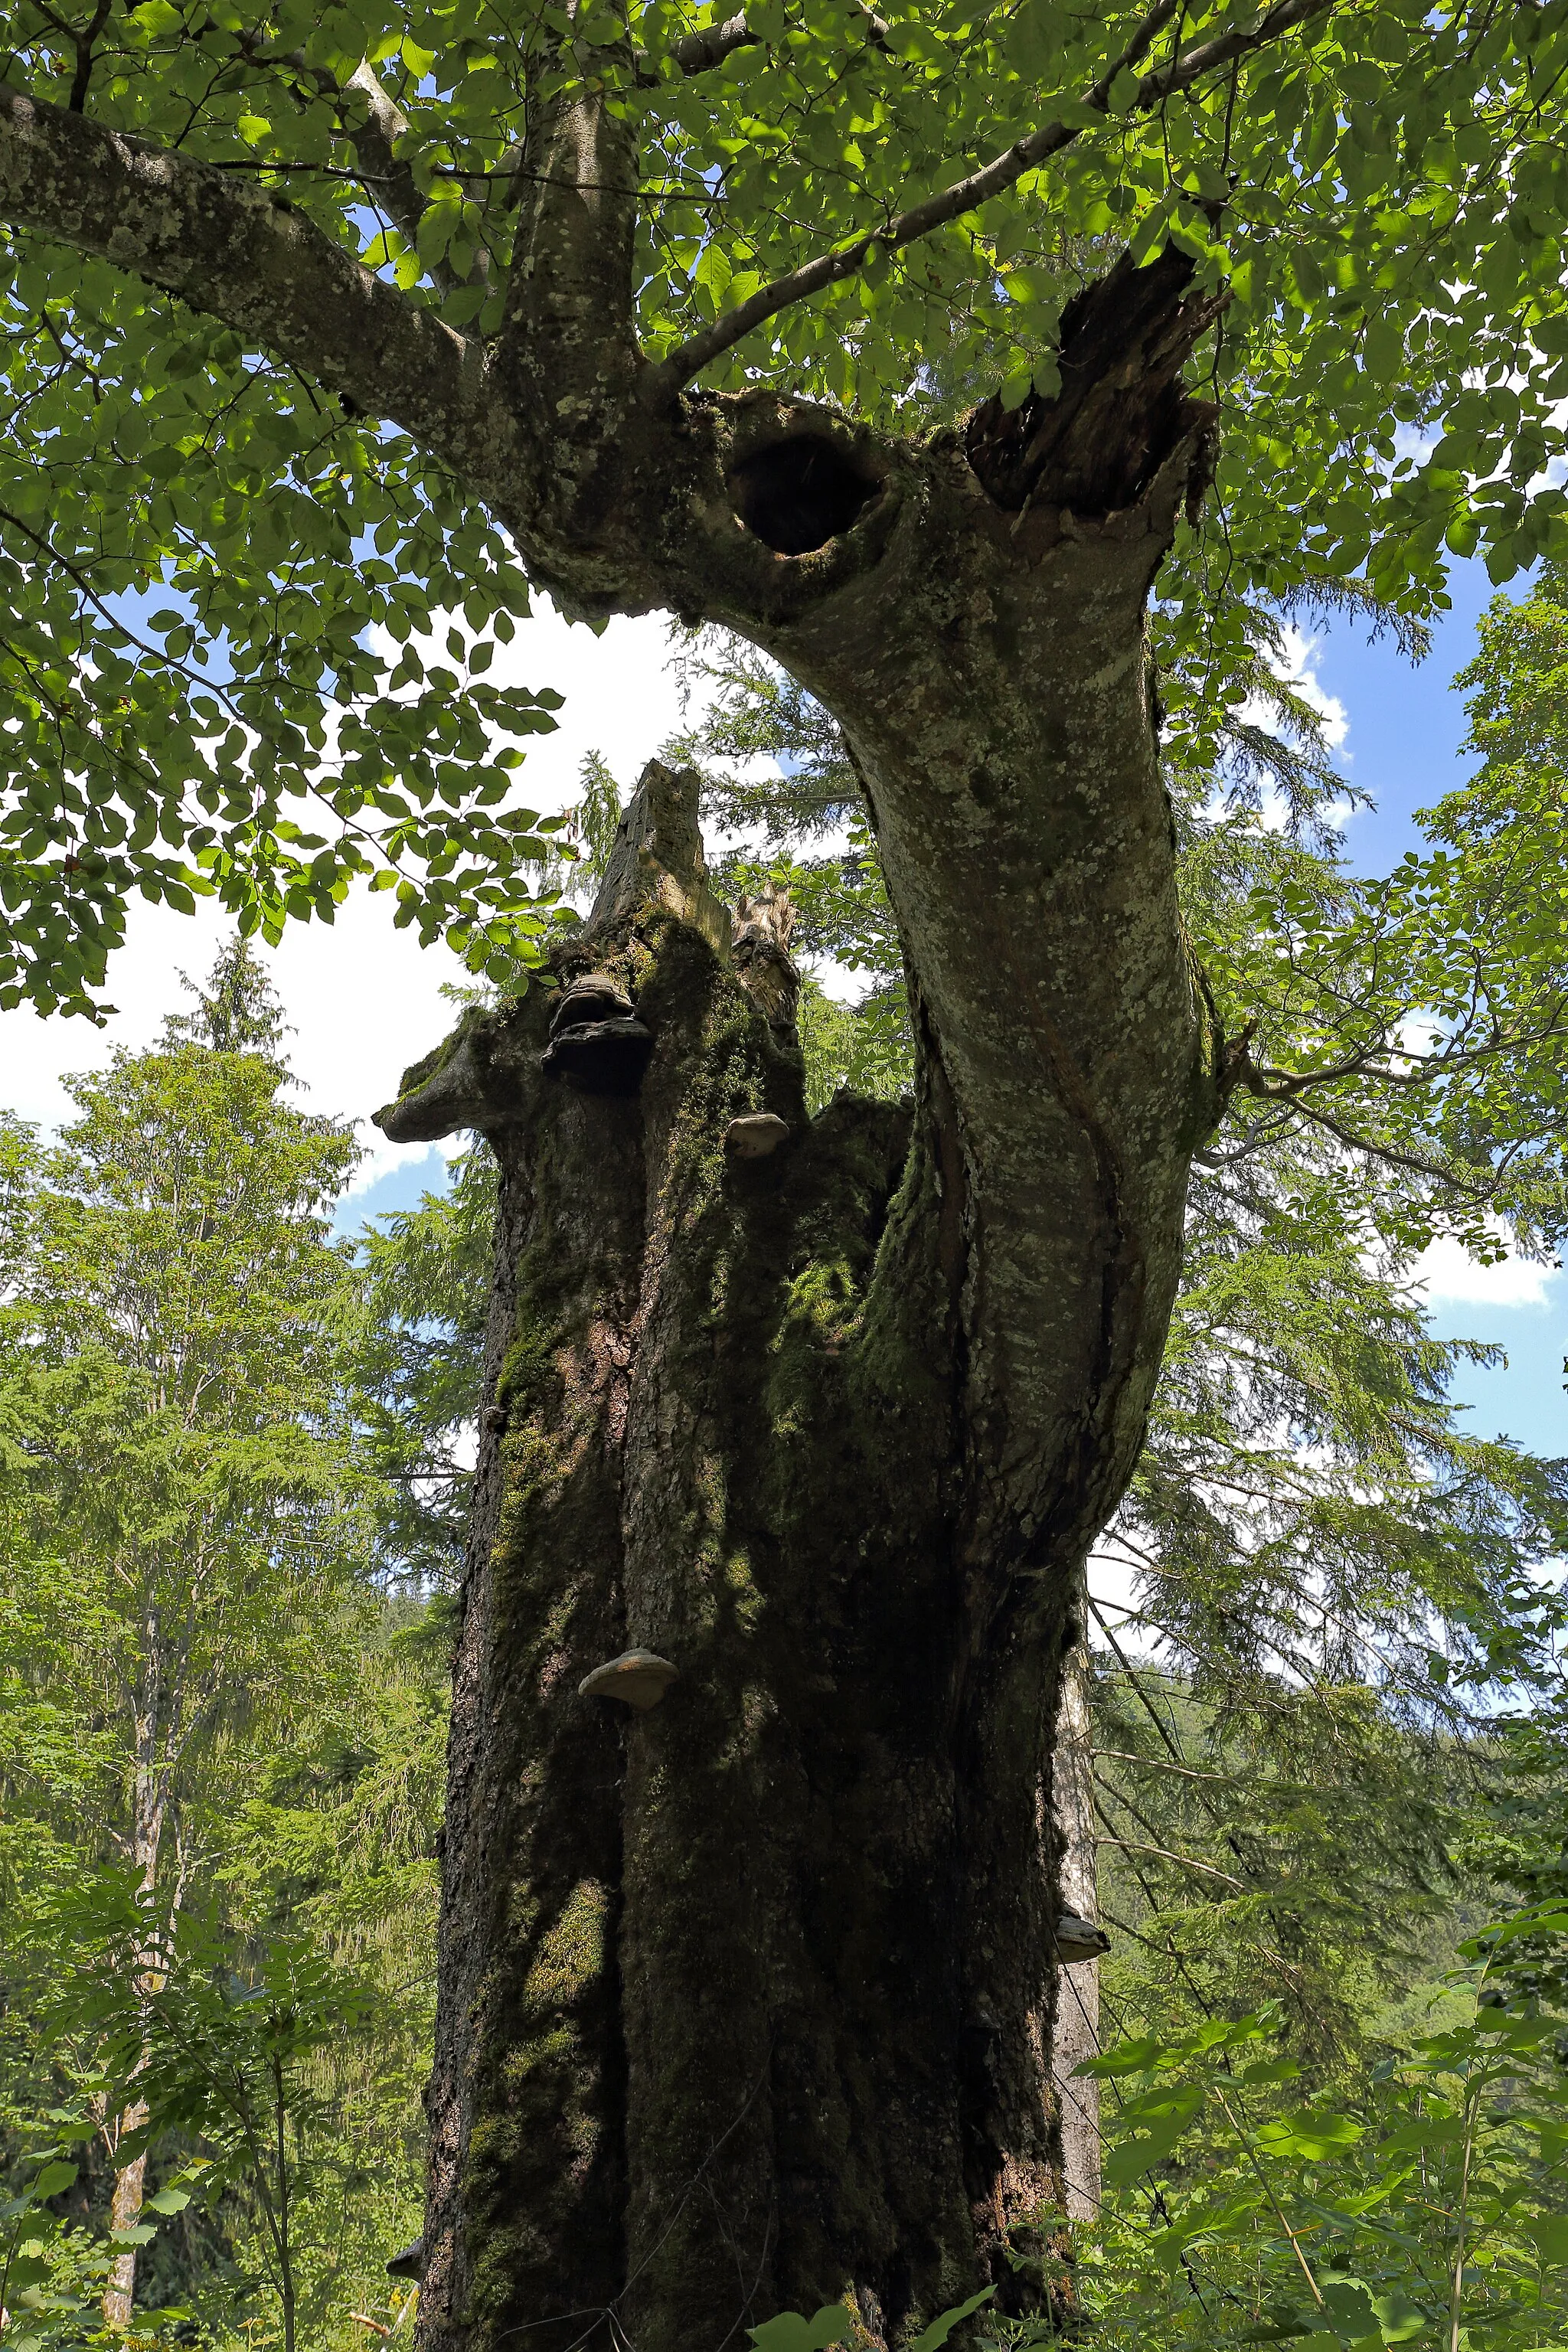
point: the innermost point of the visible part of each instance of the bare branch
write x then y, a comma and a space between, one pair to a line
1159, 1764
374, 140
993, 179
1182, 1861
1271, 1085
85, 43
251, 259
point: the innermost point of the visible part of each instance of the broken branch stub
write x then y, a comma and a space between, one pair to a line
474, 1081
764, 927
657, 859
1096, 445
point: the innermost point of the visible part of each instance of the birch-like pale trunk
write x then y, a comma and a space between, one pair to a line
144, 1842
1076, 2035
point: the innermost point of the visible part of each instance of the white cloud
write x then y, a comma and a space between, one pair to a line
1300, 669
365, 998
1448, 1272
623, 698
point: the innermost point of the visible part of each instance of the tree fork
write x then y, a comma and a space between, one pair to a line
750, 2002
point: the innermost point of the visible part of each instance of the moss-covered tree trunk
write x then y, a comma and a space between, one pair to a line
747, 1998
747, 2001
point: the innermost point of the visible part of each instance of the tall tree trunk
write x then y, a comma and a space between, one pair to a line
144, 1842
1076, 2035
747, 2001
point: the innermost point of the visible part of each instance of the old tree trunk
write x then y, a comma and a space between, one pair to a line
747, 2000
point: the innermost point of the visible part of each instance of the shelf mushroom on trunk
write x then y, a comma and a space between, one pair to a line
638, 1678
1078, 1939
596, 1042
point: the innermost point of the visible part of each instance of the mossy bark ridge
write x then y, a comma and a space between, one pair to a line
747, 1997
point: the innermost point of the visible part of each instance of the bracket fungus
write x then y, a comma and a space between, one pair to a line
754, 1135
592, 996
1078, 1939
637, 1677
596, 1043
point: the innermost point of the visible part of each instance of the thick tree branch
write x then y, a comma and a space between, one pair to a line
950, 203
263, 267
701, 51
568, 340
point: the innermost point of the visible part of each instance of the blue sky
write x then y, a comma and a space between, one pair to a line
1405, 728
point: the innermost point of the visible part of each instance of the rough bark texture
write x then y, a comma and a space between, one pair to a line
148, 1806
748, 2001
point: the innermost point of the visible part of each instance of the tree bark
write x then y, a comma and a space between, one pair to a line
144, 1843
1076, 2035
747, 2002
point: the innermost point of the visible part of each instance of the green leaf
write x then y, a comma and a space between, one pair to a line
789, 2332
1309, 2134
939, 2331
169, 2200
1548, 2232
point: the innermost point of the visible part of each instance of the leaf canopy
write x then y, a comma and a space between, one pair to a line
254, 645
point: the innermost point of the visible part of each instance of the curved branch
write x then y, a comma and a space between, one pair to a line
993, 179
264, 268
372, 133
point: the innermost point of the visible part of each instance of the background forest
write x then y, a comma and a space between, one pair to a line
1323, 1657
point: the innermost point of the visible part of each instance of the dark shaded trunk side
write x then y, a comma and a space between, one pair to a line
728, 2023
880, 1393
528, 2066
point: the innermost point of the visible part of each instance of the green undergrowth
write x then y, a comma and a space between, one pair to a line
1426, 2208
